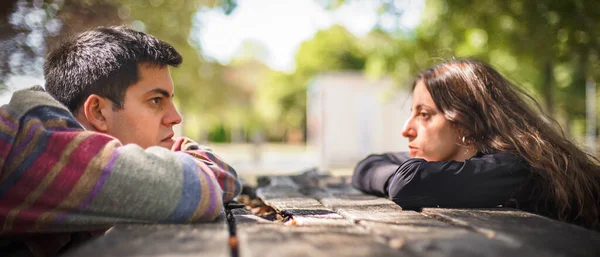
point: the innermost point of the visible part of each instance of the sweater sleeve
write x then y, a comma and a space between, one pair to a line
482, 181
57, 177
372, 174
225, 174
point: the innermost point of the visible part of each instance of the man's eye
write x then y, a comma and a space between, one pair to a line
156, 100
424, 115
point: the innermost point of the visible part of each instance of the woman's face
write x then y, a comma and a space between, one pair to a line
430, 135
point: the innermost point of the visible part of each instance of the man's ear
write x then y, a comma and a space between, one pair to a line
93, 109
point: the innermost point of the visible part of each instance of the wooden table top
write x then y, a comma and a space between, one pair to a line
325, 216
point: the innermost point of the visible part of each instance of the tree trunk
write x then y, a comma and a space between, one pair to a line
8, 43
590, 103
547, 88
22, 51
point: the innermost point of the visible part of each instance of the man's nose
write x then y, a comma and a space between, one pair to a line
408, 131
172, 117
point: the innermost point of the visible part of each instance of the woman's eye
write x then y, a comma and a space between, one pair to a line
424, 115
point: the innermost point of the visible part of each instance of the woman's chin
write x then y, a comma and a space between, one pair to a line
413, 153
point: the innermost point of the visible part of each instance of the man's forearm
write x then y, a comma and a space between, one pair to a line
57, 177
224, 173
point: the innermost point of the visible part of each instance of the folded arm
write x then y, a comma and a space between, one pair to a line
485, 181
481, 181
372, 174
57, 177
225, 174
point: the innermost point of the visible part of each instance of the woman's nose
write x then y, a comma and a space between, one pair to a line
408, 131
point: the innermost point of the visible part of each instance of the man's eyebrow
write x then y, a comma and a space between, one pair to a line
161, 91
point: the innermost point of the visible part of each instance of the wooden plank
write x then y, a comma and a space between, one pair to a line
242, 216
356, 206
438, 239
277, 240
316, 231
283, 195
277, 187
306, 211
366, 208
544, 234
412, 231
378, 220
208, 239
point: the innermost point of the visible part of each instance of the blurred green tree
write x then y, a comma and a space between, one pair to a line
32, 26
281, 99
548, 47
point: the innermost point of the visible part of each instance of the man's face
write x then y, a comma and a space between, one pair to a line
148, 114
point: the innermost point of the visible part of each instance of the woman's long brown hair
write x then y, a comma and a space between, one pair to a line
496, 116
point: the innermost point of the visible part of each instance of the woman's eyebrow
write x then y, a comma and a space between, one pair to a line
420, 107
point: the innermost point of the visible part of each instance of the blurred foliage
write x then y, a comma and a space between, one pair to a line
282, 97
549, 47
200, 87
24, 24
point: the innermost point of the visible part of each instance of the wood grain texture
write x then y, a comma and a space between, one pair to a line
269, 240
517, 227
209, 239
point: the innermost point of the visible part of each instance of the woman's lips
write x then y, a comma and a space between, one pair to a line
412, 151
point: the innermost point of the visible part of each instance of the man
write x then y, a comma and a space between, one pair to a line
103, 160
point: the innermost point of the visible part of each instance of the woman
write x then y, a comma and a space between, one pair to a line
475, 141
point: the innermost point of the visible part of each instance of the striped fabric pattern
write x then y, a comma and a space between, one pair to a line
55, 176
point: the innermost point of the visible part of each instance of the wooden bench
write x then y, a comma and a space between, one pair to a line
325, 216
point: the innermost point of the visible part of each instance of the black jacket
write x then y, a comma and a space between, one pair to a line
481, 181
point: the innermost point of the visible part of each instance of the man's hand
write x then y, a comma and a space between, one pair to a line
225, 174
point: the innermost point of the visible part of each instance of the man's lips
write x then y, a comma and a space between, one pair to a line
169, 137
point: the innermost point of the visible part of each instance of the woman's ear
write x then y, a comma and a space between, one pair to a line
462, 138
92, 109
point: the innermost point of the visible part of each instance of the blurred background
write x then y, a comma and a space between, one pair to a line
277, 86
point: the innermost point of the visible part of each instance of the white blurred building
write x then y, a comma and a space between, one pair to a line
350, 116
